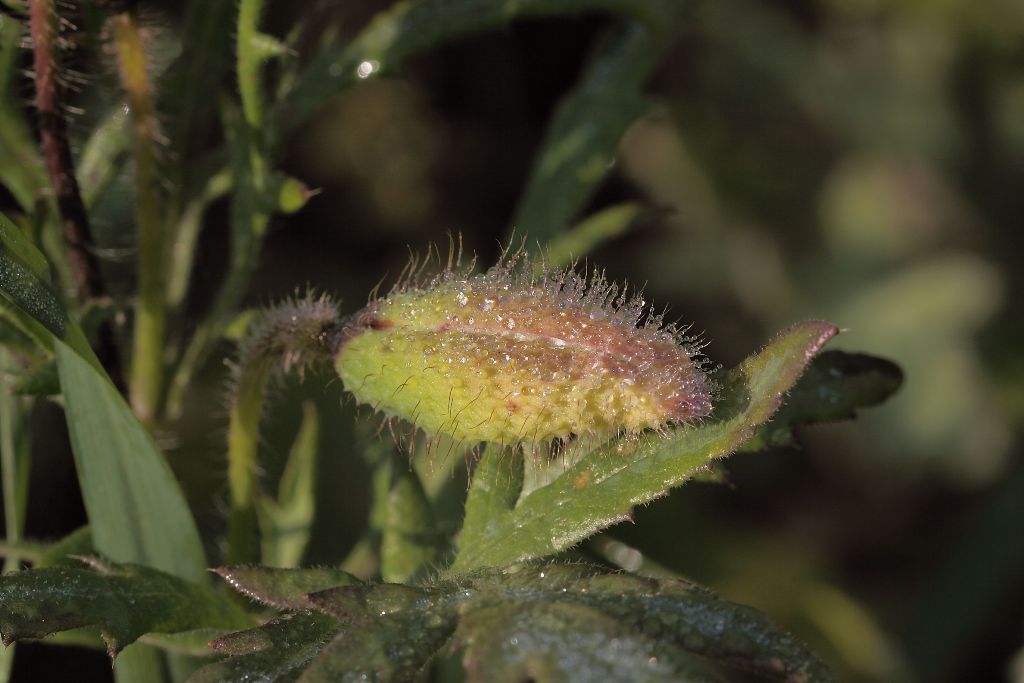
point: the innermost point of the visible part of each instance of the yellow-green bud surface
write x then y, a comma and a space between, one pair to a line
508, 356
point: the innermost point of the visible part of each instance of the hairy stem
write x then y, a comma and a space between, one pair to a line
147, 354
53, 133
87, 279
243, 446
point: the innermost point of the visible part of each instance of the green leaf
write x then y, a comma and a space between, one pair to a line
496, 485
67, 550
148, 520
104, 154
409, 541
834, 387
136, 508
584, 134
285, 523
606, 484
38, 380
277, 651
548, 623
565, 641
590, 233
124, 601
410, 27
284, 588
25, 286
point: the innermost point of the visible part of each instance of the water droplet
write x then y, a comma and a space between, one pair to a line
367, 68
462, 298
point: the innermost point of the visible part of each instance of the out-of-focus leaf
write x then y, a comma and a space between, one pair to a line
590, 233
67, 550
38, 380
15, 462
148, 521
104, 154
124, 601
409, 540
582, 138
833, 387
285, 523
284, 588
186, 88
604, 485
552, 622
410, 27
22, 170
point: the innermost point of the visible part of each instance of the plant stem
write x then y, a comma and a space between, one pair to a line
250, 61
147, 355
87, 279
243, 446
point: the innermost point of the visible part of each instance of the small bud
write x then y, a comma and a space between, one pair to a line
509, 356
292, 195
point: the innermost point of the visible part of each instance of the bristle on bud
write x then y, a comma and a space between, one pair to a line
521, 353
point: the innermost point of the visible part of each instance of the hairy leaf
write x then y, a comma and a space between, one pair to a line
278, 651
284, 588
547, 623
604, 485
124, 601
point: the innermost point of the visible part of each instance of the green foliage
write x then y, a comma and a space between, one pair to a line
124, 601
564, 622
492, 592
604, 485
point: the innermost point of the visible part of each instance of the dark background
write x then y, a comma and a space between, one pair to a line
853, 160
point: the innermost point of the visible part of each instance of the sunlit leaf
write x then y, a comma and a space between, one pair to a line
606, 484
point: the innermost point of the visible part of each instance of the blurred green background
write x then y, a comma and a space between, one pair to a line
858, 161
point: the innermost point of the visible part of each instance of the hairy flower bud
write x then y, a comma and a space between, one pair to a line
520, 353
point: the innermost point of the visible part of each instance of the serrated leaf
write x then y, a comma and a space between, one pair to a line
124, 601
276, 652
834, 387
551, 622
582, 138
284, 588
604, 485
